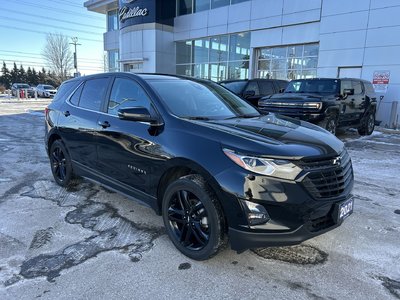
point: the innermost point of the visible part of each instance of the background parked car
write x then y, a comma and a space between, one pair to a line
254, 89
46, 90
328, 102
24, 86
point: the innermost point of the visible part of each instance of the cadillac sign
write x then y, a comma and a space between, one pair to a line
127, 11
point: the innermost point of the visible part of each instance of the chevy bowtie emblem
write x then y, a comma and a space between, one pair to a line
336, 161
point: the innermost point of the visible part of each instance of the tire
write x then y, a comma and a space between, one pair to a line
193, 218
367, 124
329, 124
61, 165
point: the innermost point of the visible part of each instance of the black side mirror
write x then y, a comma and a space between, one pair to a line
348, 92
138, 114
248, 94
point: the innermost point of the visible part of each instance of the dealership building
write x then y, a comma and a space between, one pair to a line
281, 39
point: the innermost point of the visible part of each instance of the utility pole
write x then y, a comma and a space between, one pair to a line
75, 43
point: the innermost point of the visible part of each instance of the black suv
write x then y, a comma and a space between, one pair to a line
254, 89
330, 103
201, 157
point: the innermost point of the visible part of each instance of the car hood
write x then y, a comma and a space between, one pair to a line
274, 136
298, 97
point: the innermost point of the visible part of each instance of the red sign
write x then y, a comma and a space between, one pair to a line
381, 77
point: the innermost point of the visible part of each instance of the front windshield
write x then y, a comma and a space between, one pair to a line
190, 99
48, 87
234, 86
326, 86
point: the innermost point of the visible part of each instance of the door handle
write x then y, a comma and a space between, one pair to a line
66, 113
104, 124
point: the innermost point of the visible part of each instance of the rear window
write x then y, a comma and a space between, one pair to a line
235, 86
65, 90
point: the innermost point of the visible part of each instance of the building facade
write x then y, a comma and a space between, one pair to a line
282, 39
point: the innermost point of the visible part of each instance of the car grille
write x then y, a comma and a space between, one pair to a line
329, 178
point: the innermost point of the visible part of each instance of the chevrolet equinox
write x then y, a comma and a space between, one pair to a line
204, 159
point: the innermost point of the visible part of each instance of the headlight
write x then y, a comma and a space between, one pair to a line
314, 105
265, 166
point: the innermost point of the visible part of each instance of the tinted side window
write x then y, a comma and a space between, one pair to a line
127, 93
266, 87
253, 86
357, 87
93, 93
345, 84
75, 97
64, 90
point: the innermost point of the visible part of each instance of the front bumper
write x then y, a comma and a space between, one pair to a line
296, 214
250, 238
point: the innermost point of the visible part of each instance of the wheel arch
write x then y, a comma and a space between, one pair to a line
181, 167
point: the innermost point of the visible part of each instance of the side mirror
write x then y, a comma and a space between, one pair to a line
348, 92
281, 91
138, 114
248, 94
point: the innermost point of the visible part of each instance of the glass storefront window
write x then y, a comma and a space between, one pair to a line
112, 20
184, 52
113, 63
216, 58
200, 5
185, 7
219, 3
219, 49
288, 62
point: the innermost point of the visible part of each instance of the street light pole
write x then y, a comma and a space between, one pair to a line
75, 43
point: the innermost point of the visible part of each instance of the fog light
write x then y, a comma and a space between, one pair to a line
256, 214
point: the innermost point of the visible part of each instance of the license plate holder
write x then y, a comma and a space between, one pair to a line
345, 209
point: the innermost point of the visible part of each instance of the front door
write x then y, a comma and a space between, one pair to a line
127, 149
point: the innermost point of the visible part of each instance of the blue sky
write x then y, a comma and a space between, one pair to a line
24, 24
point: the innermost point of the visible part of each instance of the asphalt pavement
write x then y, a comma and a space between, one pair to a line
90, 243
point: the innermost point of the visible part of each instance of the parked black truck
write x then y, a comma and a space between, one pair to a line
330, 103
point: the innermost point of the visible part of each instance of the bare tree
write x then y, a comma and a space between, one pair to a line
58, 55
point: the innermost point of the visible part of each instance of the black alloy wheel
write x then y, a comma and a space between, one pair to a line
193, 217
60, 164
189, 220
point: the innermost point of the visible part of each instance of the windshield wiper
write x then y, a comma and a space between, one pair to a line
197, 118
243, 116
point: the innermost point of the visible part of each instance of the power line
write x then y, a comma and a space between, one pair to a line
53, 26
58, 9
43, 32
37, 54
40, 58
53, 19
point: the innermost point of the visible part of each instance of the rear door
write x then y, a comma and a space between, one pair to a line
78, 121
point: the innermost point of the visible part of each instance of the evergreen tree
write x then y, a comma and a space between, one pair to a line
29, 76
42, 76
22, 74
35, 77
5, 78
14, 74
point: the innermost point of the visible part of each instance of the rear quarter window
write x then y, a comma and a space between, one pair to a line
65, 90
